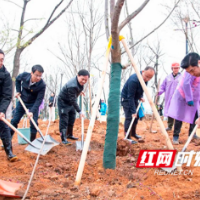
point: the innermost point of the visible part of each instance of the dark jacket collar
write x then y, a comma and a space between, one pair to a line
3, 69
78, 83
29, 78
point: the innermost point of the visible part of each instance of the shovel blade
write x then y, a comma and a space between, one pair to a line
80, 145
37, 144
169, 169
8, 189
49, 140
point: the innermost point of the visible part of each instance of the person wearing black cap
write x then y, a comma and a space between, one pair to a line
67, 105
31, 88
191, 63
5, 99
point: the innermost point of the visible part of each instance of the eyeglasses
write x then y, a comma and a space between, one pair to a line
37, 76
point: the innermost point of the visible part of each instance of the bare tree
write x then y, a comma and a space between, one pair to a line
187, 21
52, 85
22, 43
84, 30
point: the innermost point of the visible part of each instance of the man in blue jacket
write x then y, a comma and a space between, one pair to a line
131, 93
31, 88
5, 99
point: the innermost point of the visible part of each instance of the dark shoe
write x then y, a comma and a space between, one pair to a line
66, 142
8, 149
132, 141
70, 133
175, 140
168, 129
137, 136
33, 137
63, 137
72, 137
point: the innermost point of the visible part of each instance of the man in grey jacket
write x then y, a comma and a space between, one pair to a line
67, 105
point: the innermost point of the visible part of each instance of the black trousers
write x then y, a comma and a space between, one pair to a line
178, 125
170, 122
67, 115
19, 112
128, 118
4, 132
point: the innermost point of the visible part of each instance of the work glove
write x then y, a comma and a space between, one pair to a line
190, 103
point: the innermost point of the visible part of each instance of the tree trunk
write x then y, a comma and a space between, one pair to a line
109, 156
16, 64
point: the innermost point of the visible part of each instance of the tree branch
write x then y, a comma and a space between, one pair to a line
48, 24
13, 3
31, 19
134, 14
156, 27
106, 20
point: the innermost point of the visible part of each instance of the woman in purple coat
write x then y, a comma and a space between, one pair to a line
185, 104
169, 86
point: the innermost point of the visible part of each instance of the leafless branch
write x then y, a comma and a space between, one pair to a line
134, 14
157, 26
13, 3
106, 20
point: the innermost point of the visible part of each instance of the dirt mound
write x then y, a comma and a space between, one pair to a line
56, 171
124, 148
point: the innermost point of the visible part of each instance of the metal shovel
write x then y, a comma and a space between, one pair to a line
38, 141
33, 146
130, 126
80, 144
183, 150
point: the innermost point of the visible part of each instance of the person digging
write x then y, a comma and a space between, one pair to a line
131, 93
31, 88
67, 105
5, 99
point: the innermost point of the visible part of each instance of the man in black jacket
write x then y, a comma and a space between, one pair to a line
31, 88
67, 104
5, 99
131, 93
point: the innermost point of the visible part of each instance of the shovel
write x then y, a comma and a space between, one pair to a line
133, 119
8, 189
183, 150
39, 141
79, 144
33, 146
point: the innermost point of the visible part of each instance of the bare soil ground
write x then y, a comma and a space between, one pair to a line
55, 175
